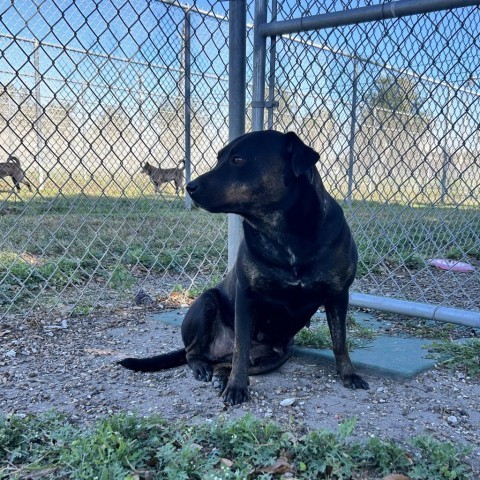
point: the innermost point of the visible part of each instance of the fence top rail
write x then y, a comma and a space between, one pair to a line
400, 8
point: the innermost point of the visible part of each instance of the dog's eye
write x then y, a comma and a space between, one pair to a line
237, 160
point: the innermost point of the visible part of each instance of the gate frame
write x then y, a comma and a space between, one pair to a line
264, 29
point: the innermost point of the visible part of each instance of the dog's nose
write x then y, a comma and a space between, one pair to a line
192, 187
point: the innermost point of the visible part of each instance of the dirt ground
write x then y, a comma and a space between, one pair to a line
69, 364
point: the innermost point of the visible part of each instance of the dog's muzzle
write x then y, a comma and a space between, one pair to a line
192, 187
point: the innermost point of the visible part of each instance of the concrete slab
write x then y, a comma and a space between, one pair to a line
395, 357
172, 317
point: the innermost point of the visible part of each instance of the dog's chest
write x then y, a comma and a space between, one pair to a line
293, 284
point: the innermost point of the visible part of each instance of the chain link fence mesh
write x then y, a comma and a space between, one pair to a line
90, 94
393, 107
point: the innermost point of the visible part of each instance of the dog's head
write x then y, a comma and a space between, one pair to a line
255, 172
147, 168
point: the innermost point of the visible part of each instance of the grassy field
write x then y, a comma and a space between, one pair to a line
50, 242
69, 240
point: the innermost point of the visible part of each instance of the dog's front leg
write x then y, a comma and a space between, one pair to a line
336, 310
236, 390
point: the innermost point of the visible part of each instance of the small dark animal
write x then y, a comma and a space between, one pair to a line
297, 254
11, 168
164, 175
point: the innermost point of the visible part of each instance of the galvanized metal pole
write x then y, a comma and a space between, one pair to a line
439, 313
271, 74
401, 8
237, 79
446, 149
38, 114
259, 61
353, 122
144, 153
188, 112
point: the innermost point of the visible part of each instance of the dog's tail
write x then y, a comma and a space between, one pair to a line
13, 159
154, 364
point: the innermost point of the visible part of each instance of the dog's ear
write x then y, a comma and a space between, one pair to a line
303, 157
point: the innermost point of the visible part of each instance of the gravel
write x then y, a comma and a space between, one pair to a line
69, 364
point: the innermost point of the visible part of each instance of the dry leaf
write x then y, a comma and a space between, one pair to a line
280, 467
225, 461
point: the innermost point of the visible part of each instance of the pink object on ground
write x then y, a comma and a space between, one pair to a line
454, 265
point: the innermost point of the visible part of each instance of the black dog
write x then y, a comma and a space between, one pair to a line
12, 168
297, 254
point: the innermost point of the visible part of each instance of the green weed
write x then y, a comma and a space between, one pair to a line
459, 356
121, 278
318, 335
383, 456
440, 460
128, 447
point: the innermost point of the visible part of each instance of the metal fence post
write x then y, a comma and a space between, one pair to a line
446, 155
237, 27
38, 113
351, 146
259, 61
271, 74
188, 112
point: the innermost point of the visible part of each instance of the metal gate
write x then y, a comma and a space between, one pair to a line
389, 97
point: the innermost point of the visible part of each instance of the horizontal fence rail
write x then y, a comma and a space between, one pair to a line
371, 13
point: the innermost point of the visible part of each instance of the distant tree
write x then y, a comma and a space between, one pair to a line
392, 106
394, 94
393, 132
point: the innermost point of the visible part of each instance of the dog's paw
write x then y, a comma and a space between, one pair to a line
201, 371
220, 382
354, 382
235, 394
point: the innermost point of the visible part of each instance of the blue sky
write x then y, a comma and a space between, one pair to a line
445, 48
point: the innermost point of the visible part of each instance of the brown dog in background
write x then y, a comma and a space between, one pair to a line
11, 168
164, 175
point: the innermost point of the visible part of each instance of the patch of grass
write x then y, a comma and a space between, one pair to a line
129, 447
384, 456
18, 275
389, 235
459, 356
120, 278
318, 335
54, 239
431, 329
82, 310
442, 460
315, 337
54, 242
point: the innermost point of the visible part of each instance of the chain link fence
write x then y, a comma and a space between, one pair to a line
90, 95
